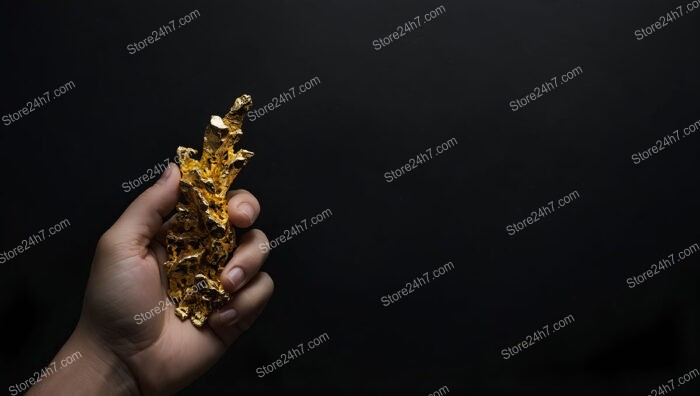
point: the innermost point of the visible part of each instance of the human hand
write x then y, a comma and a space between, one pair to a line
124, 353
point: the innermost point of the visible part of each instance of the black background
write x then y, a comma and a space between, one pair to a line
329, 149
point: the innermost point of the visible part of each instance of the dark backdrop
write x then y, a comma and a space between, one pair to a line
329, 148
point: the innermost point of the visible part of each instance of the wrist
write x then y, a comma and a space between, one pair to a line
84, 365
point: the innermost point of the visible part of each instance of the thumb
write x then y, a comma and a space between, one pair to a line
142, 220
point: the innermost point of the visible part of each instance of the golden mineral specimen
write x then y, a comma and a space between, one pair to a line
202, 239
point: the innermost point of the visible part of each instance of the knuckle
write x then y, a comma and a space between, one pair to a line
106, 240
268, 283
258, 234
237, 193
245, 324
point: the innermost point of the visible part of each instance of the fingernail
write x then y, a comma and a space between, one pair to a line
235, 276
228, 316
247, 210
166, 174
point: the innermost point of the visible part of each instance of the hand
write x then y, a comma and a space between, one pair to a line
125, 353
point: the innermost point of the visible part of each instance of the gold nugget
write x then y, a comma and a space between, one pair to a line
201, 239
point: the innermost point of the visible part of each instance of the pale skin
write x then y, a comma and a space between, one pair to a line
163, 354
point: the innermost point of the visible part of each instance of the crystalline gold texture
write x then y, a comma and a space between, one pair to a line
201, 239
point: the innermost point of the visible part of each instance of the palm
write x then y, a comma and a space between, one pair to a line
127, 312
126, 306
